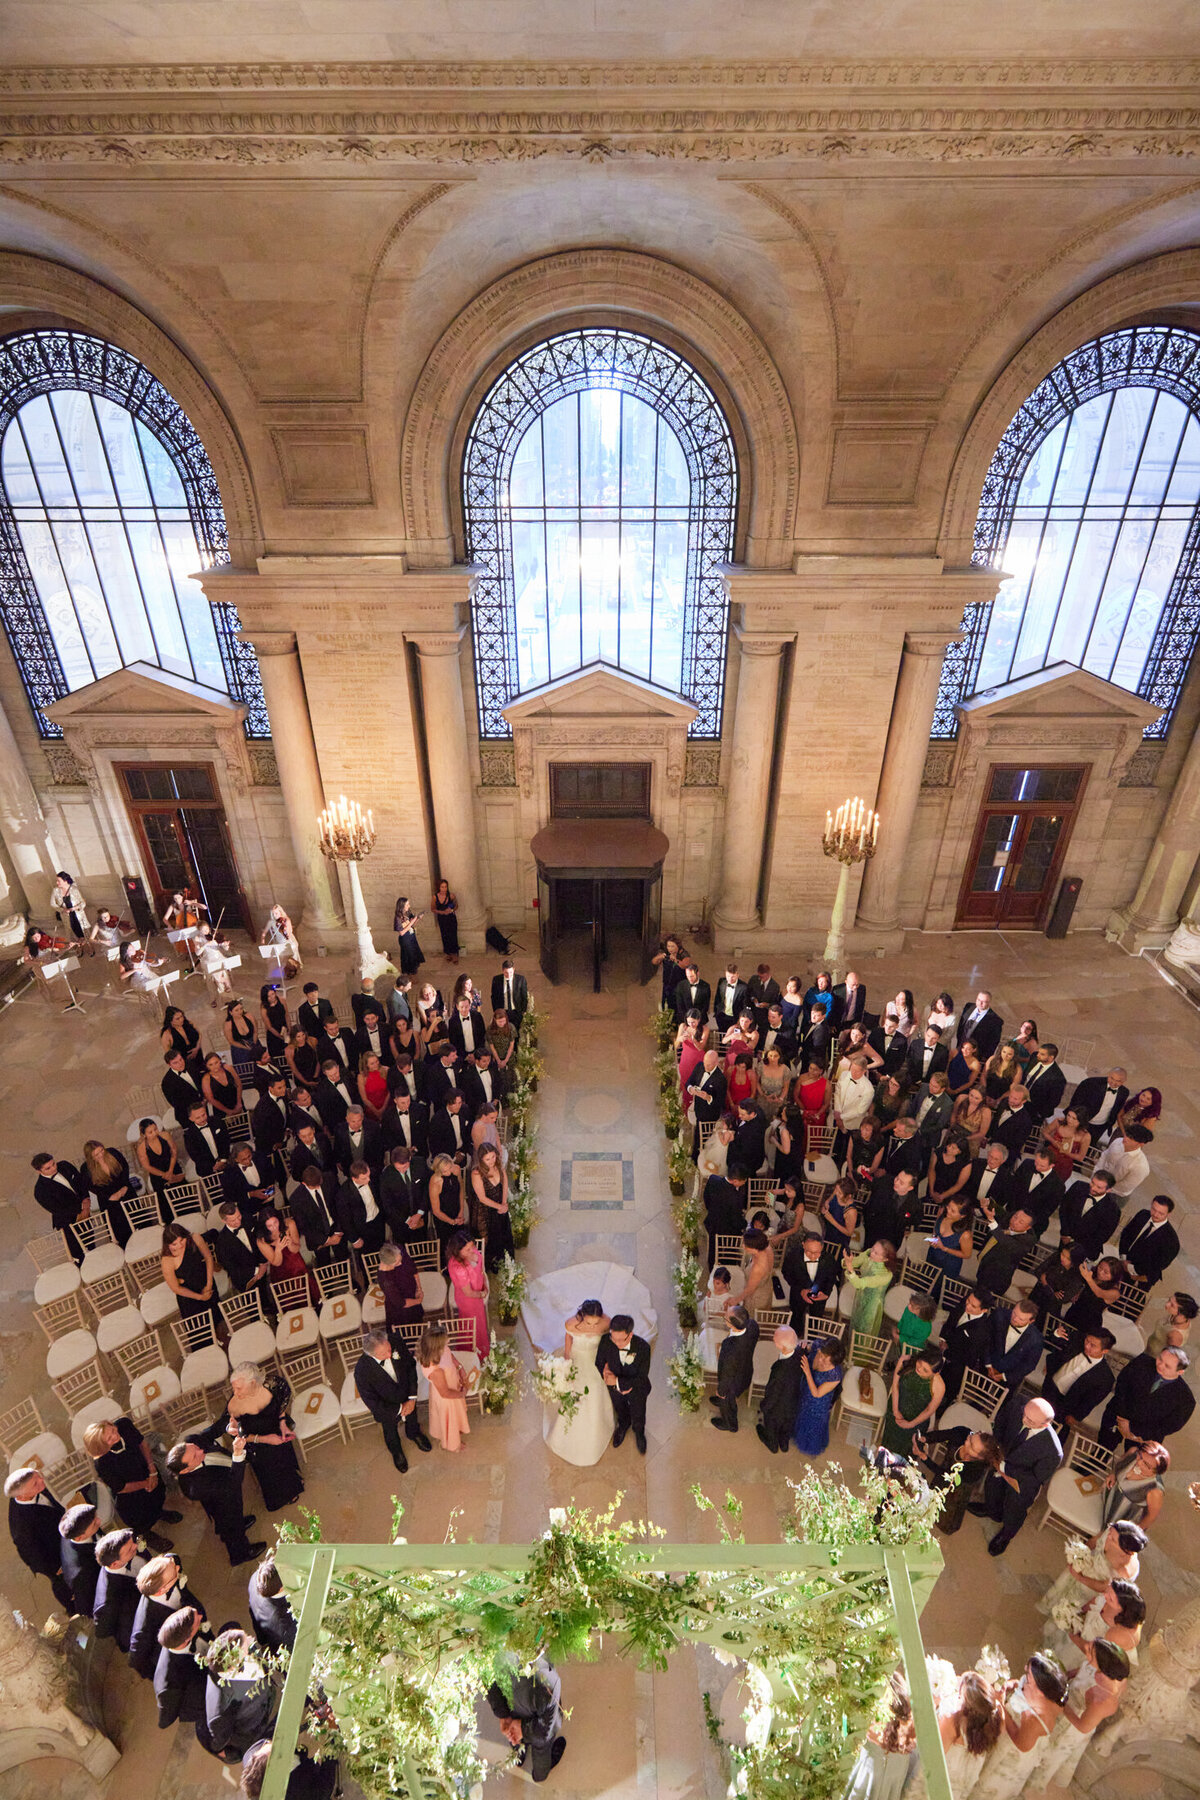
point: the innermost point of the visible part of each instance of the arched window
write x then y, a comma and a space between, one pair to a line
1092, 507
599, 495
109, 505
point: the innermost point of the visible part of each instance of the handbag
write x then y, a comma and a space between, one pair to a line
864, 1386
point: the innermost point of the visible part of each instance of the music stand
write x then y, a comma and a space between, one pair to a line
186, 937
64, 968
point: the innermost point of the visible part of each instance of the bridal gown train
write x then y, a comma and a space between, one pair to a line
589, 1433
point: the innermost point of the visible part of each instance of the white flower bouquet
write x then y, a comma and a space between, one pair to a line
556, 1383
1085, 1562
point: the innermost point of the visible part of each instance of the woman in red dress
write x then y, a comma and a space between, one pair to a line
742, 1085
691, 1040
279, 1246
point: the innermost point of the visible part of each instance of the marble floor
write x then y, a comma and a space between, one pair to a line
63, 1078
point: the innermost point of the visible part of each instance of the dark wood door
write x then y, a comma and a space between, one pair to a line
1021, 837
184, 836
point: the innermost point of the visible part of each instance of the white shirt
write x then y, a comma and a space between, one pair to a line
508, 994
1101, 1115
985, 1183
1012, 1334
1129, 1168
1071, 1371
405, 1122
341, 1050
852, 1099
368, 1200
485, 1081
250, 1171
456, 1121
210, 1140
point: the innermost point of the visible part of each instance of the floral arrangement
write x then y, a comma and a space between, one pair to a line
686, 1217
991, 1665
527, 1064
532, 1023
685, 1373
1066, 1613
1085, 1562
671, 1108
662, 1027
522, 1211
508, 1285
689, 1282
500, 1375
556, 1383
679, 1166
522, 1157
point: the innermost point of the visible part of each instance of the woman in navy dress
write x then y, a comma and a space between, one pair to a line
821, 1363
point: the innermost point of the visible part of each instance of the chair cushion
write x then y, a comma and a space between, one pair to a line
41, 1452
845, 1304
374, 1310
96, 1412
851, 1402
339, 1316
433, 1290
155, 1388
120, 1327
1129, 1339
963, 1413
158, 1304
145, 1241
203, 1368
315, 1410
104, 1260
66, 1354
251, 1343
350, 1402
297, 1330
764, 1356
56, 1283
896, 1299
1078, 1499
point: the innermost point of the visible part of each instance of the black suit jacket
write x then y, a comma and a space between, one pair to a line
474, 1096
391, 1133
684, 1003
241, 1265
369, 1151
380, 1392
268, 1126
1153, 1415
330, 1103
1011, 1130
728, 1002
1084, 1394
1031, 1461
180, 1094
117, 1601
81, 1572
442, 1141
1154, 1255
235, 1186
272, 1618
520, 996
327, 1046
816, 1041
724, 1207
631, 1377
1015, 1364
236, 1719
351, 1212
849, 1012
785, 1388
313, 1017
784, 1041
364, 1047
150, 1617
749, 1146
63, 1206
311, 1223
986, 1032
710, 1103
735, 1362
199, 1151
914, 1061
468, 1035
34, 1531
1094, 1228
1045, 1095
217, 1489
319, 1154
1000, 1190
436, 1083
999, 1259
1089, 1097
794, 1270
894, 1053
179, 1688
399, 1202
886, 1213
904, 1153
1043, 1201
966, 1344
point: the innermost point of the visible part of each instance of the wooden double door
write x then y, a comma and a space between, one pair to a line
183, 834
1021, 837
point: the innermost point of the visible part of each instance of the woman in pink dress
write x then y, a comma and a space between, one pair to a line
691, 1040
447, 1387
468, 1278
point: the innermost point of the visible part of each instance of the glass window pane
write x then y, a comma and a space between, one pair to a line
670, 590
600, 579
639, 434
41, 553
637, 562
46, 453
599, 447
125, 459
165, 484
19, 483
562, 588
674, 482
110, 551
529, 592
525, 479
998, 833
85, 450
560, 428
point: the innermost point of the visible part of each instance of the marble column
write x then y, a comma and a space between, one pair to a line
299, 771
451, 782
749, 779
23, 826
1161, 893
900, 778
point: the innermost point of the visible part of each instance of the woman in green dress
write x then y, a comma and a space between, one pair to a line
870, 1273
917, 1392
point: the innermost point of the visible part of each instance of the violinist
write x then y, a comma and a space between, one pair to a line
106, 932
39, 943
210, 959
138, 969
280, 930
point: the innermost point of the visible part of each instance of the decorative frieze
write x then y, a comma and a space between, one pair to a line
65, 768
939, 765
264, 770
1144, 765
702, 767
497, 765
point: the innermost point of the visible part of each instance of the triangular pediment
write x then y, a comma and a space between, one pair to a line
1061, 691
599, 690
139, 690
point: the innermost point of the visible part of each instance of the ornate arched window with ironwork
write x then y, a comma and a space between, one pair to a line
109, 505
599, 499
1092, 508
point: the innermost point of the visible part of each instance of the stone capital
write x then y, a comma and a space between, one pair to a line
757, 642
930, 643
437, 643
269, 643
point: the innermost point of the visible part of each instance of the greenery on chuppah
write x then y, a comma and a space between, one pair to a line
411, 1635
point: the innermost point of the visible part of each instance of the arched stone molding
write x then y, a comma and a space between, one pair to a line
1136, 293
35, 285
586, 287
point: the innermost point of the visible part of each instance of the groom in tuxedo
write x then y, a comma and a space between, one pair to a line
624, 1361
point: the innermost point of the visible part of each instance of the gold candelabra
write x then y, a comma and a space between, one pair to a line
347, 835
850, 837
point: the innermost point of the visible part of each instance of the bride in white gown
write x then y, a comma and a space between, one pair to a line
587, 1436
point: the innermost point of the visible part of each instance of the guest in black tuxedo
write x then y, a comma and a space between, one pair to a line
234, 1250
749, 1146
206, 1141
724, 1208
1099, 1101
1038, 1188
966, 1343
180, 1684
1150, 1401
623, 1360
890, 1208
904, 1150
1001, 1255
763, 992
1015, 1344
405, 1124
482, 1083
707, 1092
162, 1591
510, 993
312, 1147
849, 1002
313, 1011
121, 1562
371, 1037
1032, 1452
930, 1108
240, 1700
1077, 1387
359, 1139
271, 1614
34, 1516
729, 997
441, 1075
79, 1529
304, 1110
1089, 1215
785, 1386
811, 1273
816, 1039
776, 1036
888, 1041
62, 1189
269, 1121
336, 1043
332, 1096
180, 1088
530, 1716
449, 1130
990, 1183
691, 994
981, 1024
1045, 1083
212, 1478
466, 1030
245, 1184
929, 1057
1012, 1122
315, 1213
358, 1212
1149, 1243
735, 1367
385, 1376
402, 1198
